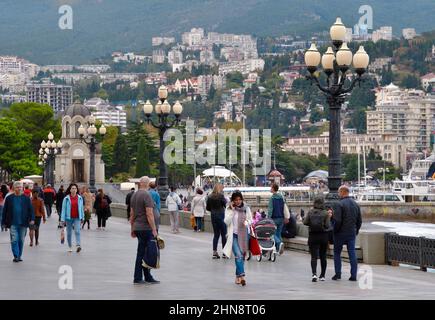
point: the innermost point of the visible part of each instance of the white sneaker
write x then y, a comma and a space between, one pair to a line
314, 278
322, 278
281, 248
70, 249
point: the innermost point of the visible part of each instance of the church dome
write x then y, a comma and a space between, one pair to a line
77, 109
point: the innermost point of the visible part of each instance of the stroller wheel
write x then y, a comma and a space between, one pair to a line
273, 257
259, 257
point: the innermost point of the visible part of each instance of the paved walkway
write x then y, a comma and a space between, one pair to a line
104, 270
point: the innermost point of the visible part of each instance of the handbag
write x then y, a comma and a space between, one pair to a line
62, 236
151, 259
160, 243
192, 221
254, 246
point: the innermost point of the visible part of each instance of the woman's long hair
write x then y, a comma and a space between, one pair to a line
68, 190
217, 190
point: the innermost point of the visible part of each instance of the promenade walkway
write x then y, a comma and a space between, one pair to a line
104, 270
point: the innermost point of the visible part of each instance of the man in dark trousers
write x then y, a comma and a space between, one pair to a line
18, 215
128, 202
49, 197
347, 222
143, 227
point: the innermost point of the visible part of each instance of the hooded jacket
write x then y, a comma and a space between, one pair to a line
318, 210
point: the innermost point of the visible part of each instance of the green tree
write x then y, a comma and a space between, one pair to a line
142, 159
16, 154
121, 157
411, 81
35, 119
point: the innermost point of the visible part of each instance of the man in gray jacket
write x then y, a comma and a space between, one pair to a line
347, 222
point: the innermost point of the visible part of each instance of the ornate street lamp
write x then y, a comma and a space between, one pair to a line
91, 141
336, 61
164, 122
48, 151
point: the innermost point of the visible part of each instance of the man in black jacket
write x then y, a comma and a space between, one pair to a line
347, 222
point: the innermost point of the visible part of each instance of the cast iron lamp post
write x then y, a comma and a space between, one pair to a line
91, 141
164, 122
336, 61
48, 151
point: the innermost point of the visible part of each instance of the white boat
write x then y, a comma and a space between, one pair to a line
379, 196
415, 186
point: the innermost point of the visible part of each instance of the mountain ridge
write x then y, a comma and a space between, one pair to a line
30, 29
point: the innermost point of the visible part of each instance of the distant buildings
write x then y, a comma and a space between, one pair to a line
159, 56
15, 72
106, 113
158, 41
98, 68
407, 113
175, 57
388, 146
57, 96
384, 33
244, 67
194, 37
409, 33
428, 80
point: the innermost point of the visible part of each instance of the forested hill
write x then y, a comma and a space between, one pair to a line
30, 28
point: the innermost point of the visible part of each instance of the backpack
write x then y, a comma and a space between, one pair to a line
104, 203
317, 222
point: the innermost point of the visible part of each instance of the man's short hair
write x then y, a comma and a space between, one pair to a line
152, 185
132, 189
344, 188
17, 184
144, 180
275, 187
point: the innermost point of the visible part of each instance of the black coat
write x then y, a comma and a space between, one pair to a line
347, 220
105, 212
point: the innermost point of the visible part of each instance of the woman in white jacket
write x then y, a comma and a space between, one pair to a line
198, 208
238, 218
172, 203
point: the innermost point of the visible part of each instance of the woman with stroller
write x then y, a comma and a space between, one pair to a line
238, 218
318, 221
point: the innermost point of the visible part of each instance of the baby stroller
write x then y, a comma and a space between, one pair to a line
264, 231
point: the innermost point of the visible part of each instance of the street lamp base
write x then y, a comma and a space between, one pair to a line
163, 193
332, 201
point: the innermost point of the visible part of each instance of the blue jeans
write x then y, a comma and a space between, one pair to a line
349, 241
69, 225
240, 259
279, 225
142, 240
198, 221
18, 235
219, 229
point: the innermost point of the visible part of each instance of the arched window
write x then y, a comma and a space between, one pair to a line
67, 130
77, 126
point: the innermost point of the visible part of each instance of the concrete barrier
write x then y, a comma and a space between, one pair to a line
370, 245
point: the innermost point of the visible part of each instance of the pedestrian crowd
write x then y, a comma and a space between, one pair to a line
234, 224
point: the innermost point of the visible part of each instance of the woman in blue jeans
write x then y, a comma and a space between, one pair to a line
73, 213
238, 218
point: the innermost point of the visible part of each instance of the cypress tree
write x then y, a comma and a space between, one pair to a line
142, 160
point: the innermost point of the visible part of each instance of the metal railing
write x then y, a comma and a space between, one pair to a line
418, 251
